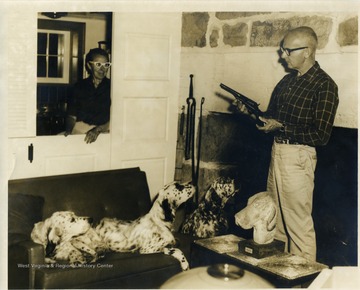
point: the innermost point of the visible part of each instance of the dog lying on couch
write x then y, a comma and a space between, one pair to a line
153, 232
260, 214
66, 236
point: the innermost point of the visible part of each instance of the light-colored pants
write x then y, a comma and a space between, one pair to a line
291, 182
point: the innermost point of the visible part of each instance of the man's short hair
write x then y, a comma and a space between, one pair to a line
308, 33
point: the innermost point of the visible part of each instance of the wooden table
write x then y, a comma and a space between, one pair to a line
282, 269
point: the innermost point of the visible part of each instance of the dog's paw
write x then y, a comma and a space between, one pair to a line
185, 265
179, 255
49, 261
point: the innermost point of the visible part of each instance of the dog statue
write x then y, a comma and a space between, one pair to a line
260, 214
68, 237
209, 219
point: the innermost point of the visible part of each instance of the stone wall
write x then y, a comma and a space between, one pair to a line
236, 26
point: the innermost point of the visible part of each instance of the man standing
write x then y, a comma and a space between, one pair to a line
300, 114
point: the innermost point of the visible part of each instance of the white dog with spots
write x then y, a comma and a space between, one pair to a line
209, 218
153, 232
68, 237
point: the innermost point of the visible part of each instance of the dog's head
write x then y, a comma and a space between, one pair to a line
61, 226
220, 191
260, 214
173, 195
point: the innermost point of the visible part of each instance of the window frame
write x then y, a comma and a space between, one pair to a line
65, 79
77, 45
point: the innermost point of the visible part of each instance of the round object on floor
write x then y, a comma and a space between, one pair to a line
218, 276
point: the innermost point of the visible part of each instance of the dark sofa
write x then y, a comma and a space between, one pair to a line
122, 193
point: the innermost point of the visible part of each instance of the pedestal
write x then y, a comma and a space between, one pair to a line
259, 251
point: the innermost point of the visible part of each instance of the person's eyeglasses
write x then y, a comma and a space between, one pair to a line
100, 64
288, 51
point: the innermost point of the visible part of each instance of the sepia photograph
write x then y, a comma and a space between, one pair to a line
179, 144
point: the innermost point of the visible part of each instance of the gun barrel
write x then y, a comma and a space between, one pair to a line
237, 95
251, 105
230, 90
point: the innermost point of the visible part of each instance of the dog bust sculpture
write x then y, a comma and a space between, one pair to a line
209, 219
260, 214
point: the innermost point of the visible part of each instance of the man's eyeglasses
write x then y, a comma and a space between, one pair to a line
100, 64
288, 51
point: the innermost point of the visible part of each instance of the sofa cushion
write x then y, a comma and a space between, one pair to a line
121, 193
24, 212
114, 266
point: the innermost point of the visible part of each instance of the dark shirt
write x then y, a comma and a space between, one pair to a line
306, 105
89, 104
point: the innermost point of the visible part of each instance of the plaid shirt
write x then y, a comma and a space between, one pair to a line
306, 105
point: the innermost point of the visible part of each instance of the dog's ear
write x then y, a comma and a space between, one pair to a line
54, 235
271, 218
209, 193
168, 214
50, 250
46, 235
213, 200
39, 233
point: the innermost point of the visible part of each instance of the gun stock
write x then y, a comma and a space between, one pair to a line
251, 105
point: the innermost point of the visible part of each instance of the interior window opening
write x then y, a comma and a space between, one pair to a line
63, 40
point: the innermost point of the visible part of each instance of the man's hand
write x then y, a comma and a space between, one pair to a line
92, 135
270, 125
242, 109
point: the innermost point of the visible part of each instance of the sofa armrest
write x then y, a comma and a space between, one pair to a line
23, 257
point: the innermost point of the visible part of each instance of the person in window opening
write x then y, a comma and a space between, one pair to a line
89, 106
300, 115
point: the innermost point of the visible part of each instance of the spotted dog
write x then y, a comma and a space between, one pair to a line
67, 237
260, 213
151, 233
209, 219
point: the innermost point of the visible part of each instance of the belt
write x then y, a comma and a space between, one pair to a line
285, 141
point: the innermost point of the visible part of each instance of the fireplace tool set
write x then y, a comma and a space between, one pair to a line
190, 135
